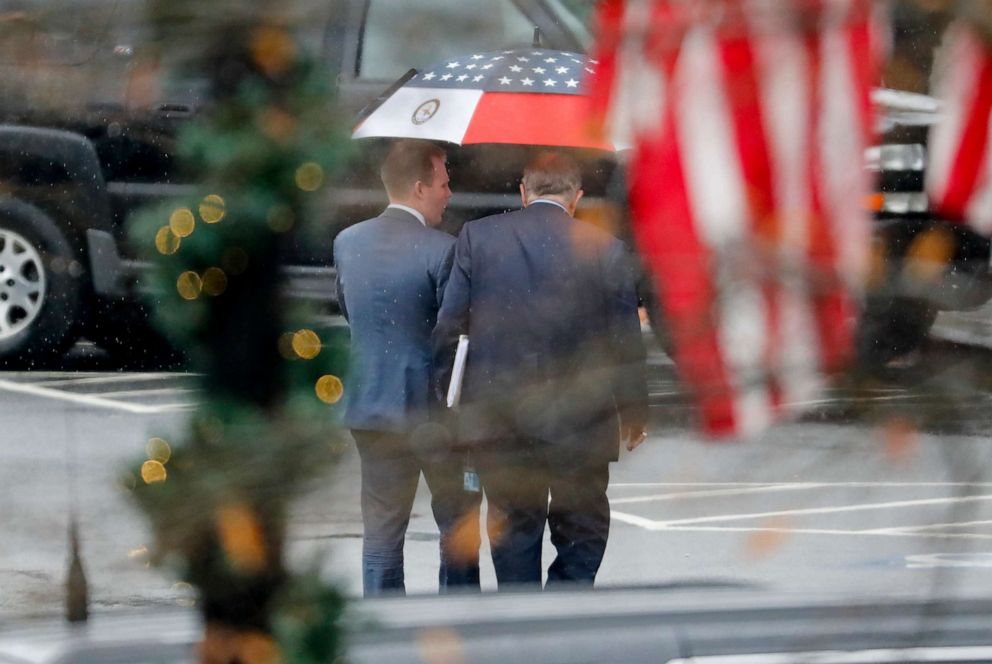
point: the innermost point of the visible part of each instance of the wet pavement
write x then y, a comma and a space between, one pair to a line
882, 488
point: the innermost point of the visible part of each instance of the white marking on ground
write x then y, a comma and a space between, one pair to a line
949, 654
895, 504
704, 493
139, 393
86, 399
649, 524
936, 526
934, 560
115, 378
622, 485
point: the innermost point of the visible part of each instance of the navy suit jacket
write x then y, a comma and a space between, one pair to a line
391, 275
555, 348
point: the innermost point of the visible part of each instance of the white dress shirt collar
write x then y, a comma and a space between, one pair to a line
550, 202
405, 208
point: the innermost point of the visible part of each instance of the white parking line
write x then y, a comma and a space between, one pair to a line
649, 524
87, 399
141, 393
710, 493
114, 378
624, 485
826, 510
934, 526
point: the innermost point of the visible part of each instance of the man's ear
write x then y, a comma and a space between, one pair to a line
523, 194
575, 203
418, 189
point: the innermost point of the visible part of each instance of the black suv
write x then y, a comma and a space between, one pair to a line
87, 136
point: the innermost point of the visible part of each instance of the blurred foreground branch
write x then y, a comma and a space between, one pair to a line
218, 501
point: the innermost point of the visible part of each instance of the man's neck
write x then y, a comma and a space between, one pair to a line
551, 201
406, 208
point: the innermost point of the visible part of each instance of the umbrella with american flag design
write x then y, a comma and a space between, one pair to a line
532, 96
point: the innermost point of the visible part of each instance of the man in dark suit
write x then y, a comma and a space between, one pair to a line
391, 276
554, 376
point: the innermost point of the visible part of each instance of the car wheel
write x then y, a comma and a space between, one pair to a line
40, 286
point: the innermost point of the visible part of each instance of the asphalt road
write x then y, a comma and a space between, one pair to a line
883, 488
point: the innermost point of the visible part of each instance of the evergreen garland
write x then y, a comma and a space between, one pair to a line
218, 501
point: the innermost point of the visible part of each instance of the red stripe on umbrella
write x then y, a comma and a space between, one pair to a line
533, 119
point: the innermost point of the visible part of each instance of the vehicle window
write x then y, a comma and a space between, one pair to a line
33, 33
576, 16
395, 39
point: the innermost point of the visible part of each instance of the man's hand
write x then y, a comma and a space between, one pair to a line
634, 436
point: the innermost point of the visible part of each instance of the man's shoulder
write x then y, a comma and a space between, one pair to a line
357, 230
491, 221
594, 235
438, 238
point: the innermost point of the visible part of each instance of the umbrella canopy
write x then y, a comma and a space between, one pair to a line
532, 96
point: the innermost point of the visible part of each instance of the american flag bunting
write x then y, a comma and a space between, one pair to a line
746, 185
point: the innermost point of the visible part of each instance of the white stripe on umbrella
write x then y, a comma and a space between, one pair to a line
434, 114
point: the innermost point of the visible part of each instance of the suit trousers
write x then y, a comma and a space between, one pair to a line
390, 472
525, 489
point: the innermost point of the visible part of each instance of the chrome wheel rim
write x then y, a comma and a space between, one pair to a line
22, 284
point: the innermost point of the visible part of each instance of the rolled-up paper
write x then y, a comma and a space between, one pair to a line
458, 372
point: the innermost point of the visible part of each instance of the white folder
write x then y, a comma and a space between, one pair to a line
458, 372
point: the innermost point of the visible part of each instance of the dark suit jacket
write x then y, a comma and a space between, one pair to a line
555, 348
391, 274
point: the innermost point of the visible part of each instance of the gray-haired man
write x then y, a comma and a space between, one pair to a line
555, 370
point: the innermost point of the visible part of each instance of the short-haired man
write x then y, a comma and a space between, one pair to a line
555, 370
391, 276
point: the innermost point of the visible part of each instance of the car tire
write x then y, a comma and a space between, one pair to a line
41, 283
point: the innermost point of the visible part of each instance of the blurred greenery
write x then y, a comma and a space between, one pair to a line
218, 505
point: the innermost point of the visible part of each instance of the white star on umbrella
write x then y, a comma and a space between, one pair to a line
572, 83
453, 65
539, 70
527, 81
462, 77
496, 57
470, 66
478, 78
445, 77
489, 66
504, 81
549, 82
429, 76
477, 57
516, 68
562, 70
551, 60
523, 59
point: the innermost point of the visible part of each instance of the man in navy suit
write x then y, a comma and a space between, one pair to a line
554, 376
391, 276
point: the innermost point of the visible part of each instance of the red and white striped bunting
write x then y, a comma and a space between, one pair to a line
746, 186
959, 177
